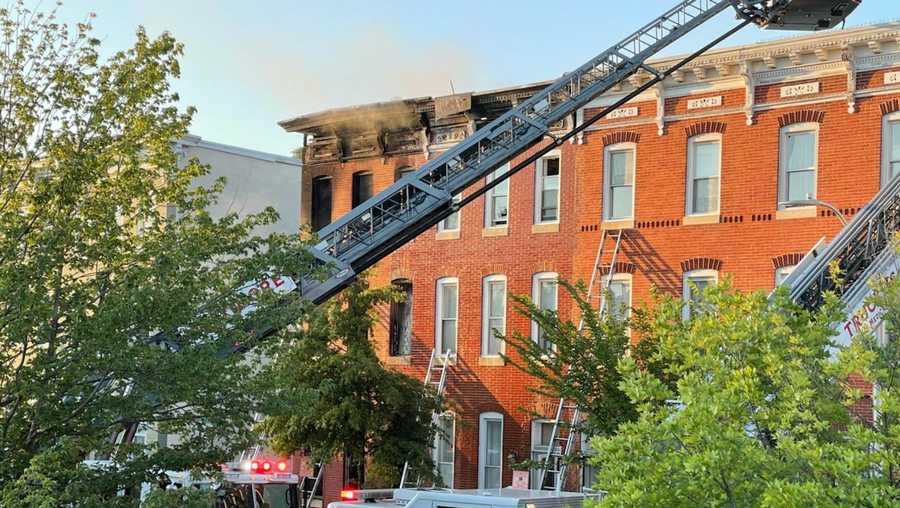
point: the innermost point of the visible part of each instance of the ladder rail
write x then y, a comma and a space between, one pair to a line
439, 387
569, 439
316, 483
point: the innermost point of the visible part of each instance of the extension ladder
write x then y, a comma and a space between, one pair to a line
562, 436
435, 378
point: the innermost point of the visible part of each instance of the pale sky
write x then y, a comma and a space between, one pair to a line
248, 65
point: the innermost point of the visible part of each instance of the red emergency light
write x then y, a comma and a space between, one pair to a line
266, 466
282, 466
348, 495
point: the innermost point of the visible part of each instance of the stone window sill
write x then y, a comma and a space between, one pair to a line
707, 218
398, 360
447, 235
491, 361
617, 224
800, 212
496, 231
548, 227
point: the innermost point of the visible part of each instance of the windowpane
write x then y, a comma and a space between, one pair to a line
894, 150
443, 449
498, 210
621, 202
801, 148
321, 203
495, 316
448, 336
621, 164
362, 188
401, 320
782, 273
705, 195
549, 189
706, 159
801, 185
451, 223
620, 298
448, 303
548, 294
549, 205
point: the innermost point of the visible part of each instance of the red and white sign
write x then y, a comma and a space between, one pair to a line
520, 480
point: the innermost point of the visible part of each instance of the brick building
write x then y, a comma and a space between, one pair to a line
692, 171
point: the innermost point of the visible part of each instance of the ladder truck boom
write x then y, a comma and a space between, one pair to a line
423, 198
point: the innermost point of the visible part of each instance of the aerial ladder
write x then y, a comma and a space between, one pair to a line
424, 197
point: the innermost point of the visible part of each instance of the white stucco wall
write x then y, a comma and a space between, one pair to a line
255, 180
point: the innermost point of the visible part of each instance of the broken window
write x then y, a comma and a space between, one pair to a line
362, 187
321, 202
497, 199
547, 195
401, 320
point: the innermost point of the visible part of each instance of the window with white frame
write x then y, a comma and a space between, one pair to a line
589, 471
890, 147
696, 282
490, 450
496, 200
451, 223
618, 297
446, 310
704, 170
541, 433
618, 191
544, 288
546, 199
444, 440
493, 314
782, 273
799, 160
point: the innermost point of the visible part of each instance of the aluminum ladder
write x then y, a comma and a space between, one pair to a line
562, 444
310, 494
423, 198
435, 378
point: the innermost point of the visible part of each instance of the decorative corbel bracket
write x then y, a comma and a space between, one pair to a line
749, 91
848, 56
660, 93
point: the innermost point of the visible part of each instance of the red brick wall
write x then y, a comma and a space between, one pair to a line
745, 242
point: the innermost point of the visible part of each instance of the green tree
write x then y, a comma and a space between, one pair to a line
334, 396
580, 365
762, 413
104, 242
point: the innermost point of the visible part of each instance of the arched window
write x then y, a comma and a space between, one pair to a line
695, 284
798, 166
490, 450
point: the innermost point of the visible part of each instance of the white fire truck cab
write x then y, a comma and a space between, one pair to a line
459, 498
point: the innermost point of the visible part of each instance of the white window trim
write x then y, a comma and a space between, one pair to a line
686, 293
436, 452
782, 158
482, 445
620, 277
441, 228
536, 294
785, 270
438, 312
885, 146
485, 304
488, 196
538, 195
537, 448
607, 194
689, 192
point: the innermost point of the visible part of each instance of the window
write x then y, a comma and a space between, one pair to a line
401, 320
444, 441
782, 273
589, 471
541, 431
401, 172
619, 178
543, 294
890, 151
447, 306
799, 144
546, 199
490, 450
451, 223
496, 208
321, 202
494, 315
362, 188
704, 168
618, 297
696, 283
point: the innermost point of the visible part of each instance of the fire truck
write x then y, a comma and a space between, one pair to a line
259, 479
